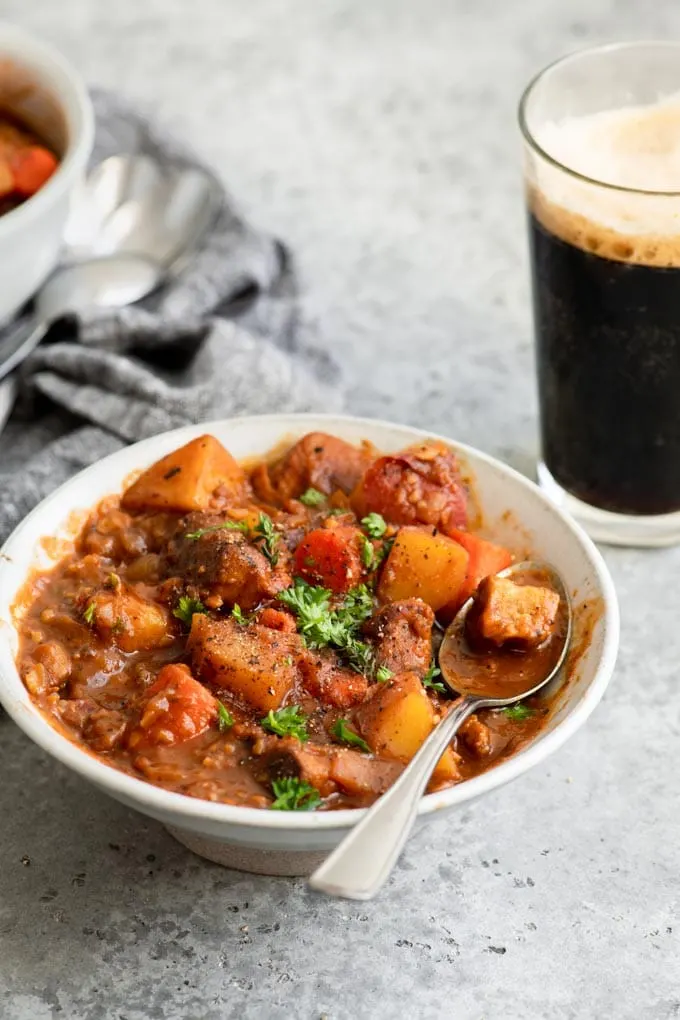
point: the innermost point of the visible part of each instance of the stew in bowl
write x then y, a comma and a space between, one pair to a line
265, 634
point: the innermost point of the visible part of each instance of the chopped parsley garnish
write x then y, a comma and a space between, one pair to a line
375, 525
89, 613
225, 719
311, 604
337, 510
518, 712
356, 606
357, 654
226, 526
345, 735
287, 722
186, 607
265, 533
312, 497
113, 581
322, 626
430, 682
367, 552
383, 674
384, 551
294, 795
240, 616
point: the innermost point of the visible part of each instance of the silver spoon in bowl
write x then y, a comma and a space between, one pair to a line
361, 864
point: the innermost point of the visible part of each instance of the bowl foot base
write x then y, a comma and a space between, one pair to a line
253, 859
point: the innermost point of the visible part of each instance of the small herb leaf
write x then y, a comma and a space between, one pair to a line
518, 712
287, 722
186, 607
240, 616
89, 613
294, 795
312, 497
375, 525
383, 674
265, 533
226, 526
345, 735
367, 553
430, 682
225, 719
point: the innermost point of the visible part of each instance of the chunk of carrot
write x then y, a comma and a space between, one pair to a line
178, 708
485, 558
31, 168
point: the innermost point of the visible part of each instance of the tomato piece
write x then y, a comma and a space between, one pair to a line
421, 485
31, 168
331, 558
177, 708
485, 558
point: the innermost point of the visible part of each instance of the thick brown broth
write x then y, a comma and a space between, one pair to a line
105, 655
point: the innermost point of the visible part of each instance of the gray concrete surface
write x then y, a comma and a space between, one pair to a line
379, 139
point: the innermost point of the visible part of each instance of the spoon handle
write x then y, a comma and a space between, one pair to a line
19, 343
361, 864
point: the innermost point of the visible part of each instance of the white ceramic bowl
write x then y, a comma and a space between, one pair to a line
41, 88
278, 842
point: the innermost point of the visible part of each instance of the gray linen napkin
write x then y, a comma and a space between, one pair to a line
219, 341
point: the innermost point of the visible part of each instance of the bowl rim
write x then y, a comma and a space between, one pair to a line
71, 95
158, 801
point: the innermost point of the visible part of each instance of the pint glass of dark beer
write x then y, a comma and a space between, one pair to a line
601, 134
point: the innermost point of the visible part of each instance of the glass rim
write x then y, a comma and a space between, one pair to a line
531, 141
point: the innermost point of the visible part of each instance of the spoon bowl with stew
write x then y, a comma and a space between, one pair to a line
480, 674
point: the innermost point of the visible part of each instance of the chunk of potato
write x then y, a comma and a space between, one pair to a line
398, 719
130, 621
423, 565
186, 479
254, 663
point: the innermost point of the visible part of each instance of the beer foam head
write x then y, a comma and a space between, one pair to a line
636, 147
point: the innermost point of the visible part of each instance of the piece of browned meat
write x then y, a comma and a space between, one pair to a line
331, 683
510, 613
360, 776
317, 461
403, 635
223, 564
326, 767
283, 758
